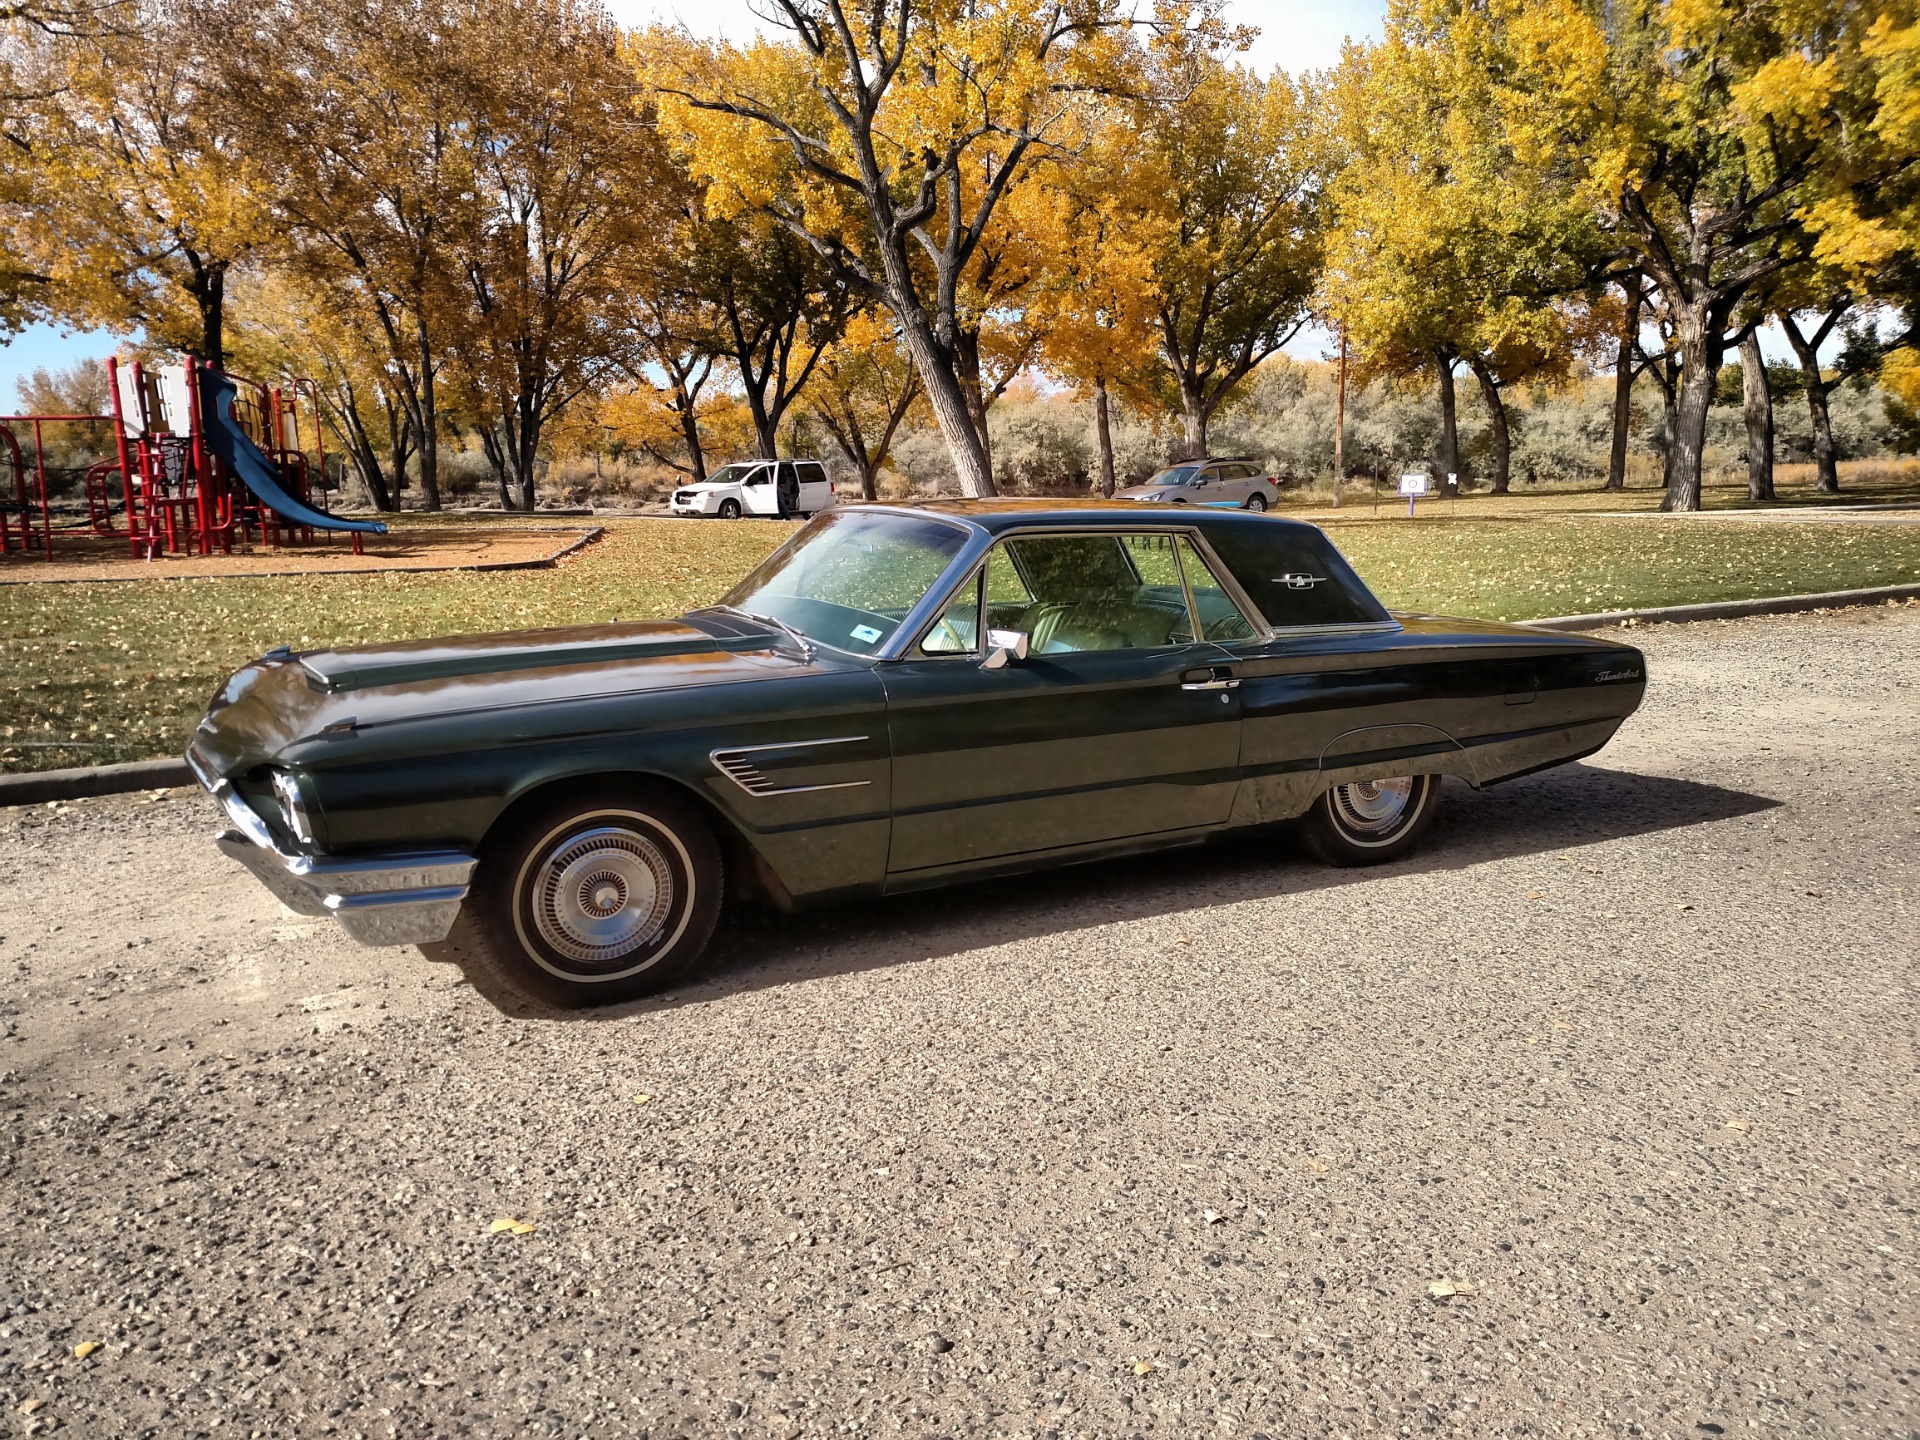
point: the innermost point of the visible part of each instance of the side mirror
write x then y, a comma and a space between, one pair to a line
1004, 646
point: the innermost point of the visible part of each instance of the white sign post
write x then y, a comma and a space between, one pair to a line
1411, 486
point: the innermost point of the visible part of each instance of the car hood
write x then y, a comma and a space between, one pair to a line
1146, 492
294, 708
707, 485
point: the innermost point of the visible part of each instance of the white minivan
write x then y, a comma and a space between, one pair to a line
783, 488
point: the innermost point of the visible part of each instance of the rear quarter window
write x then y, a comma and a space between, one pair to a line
1294, 576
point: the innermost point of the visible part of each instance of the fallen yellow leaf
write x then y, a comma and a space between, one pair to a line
512, 1226
641, 1099
85, 1348
27, 1407
1443, 1288
1143, 1368
1739, 1125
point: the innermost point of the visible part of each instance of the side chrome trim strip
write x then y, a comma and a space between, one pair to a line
732, 761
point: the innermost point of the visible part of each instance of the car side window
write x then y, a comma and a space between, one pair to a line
1220, 618
1294, 575
1092, 592
811, 472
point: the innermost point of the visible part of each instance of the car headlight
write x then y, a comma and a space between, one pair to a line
293, 804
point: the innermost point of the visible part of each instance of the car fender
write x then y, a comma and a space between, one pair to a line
1381, 752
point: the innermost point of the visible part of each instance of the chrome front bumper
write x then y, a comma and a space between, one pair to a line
399, 899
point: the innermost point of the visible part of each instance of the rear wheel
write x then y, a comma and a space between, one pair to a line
1256, 503
729, 509
595, 900
1370, 822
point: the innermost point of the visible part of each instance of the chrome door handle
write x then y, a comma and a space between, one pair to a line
1219, 679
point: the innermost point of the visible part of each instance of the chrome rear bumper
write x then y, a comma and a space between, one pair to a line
409, 898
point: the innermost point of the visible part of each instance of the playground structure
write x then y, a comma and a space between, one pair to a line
194, 459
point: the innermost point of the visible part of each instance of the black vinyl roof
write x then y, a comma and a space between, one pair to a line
1000, 516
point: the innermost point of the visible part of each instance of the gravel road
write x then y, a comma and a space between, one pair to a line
1179, 1147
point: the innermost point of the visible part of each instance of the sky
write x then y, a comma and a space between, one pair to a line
1296, 35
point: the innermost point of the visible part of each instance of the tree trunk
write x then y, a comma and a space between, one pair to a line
1193, 411
1669, 381
1449, 424
966, 359
493, 446
524, 449
1340, 422
1757, 407
935, 365
1103, 428
690, 437
429, 437
212, 298
399, 442
1697, 341
1623, 389
1497, 416
1807, 351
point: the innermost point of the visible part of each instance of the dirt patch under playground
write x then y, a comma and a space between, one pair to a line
478, 547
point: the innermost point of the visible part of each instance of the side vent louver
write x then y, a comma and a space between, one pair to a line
742, 766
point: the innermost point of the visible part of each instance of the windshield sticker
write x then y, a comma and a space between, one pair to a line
865, 634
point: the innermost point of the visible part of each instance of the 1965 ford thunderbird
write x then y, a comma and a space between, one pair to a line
898, 697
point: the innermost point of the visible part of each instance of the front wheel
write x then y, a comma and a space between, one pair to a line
1256, 503
591, 900
1370, 822
729, 509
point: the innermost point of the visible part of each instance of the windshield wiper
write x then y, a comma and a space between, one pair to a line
798, 638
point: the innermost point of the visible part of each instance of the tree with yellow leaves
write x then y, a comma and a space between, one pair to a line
862, 391
1454, 244
1723, 146
1238, 164
888, 134
135, 198
1099, 312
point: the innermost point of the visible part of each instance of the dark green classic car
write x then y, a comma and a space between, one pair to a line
898, 697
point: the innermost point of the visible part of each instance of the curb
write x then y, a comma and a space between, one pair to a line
1729, 609
39, 786
538, 562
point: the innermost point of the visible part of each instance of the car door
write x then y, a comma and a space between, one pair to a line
816, 493
1204, 488
759, 493
1330, 689
1120, 723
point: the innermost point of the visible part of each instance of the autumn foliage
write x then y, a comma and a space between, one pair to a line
512, 226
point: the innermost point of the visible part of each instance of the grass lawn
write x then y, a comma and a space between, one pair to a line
96, 673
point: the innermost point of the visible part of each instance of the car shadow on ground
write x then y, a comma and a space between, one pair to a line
1558, 810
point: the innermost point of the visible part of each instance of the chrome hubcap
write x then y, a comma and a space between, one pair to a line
1373, 807
602, 895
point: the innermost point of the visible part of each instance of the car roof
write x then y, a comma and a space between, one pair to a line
1000, 515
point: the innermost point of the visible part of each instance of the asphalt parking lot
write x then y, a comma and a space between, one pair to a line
1179, 1147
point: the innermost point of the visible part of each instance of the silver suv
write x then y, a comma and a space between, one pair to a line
1236, 484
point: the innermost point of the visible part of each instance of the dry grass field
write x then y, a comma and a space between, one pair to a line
95, 673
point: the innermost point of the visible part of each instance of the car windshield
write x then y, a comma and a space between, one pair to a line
732, 475
850, 577
1176, 475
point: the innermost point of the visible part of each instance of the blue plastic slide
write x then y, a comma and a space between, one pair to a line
257, 473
